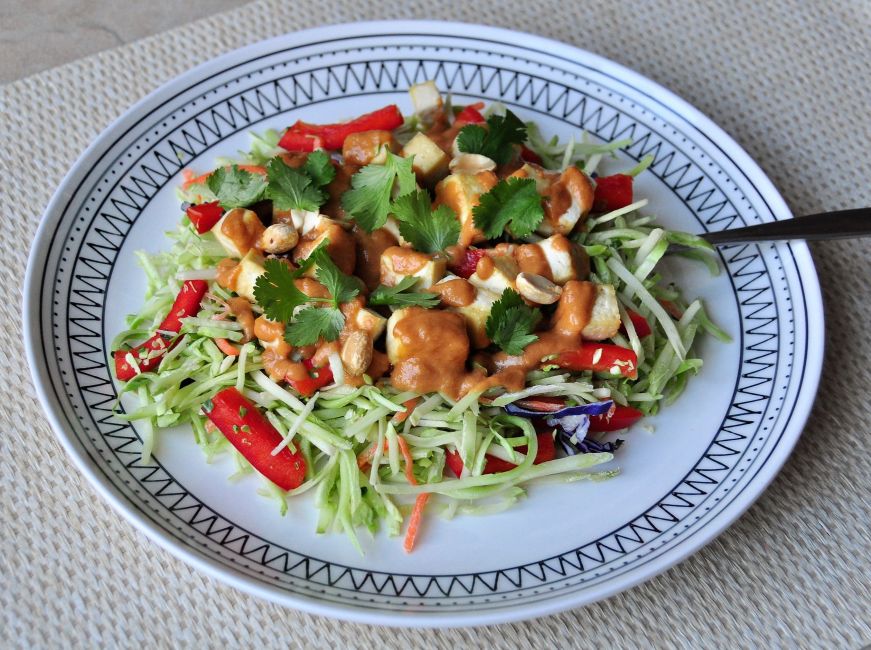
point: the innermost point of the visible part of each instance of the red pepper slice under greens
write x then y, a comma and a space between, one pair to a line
303, 136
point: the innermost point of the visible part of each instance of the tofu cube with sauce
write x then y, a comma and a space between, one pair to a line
250, 268
398, 263
604, 315
496, 273
461, 193
430, 163
368, 147
237, 231
341, 247
370, 322
476, 315
567, 261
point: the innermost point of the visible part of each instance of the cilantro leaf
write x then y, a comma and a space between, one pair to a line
291, 189
368, 200
426, 230
511, 323
400, 296
319, 168
513, 203
342, 287
313, 323
496, 141
236, 188
276, 292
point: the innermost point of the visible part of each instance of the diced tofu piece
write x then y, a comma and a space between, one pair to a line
495, 273
567, 261
568, 200
425, 97
250, 268
461, 193
238, 231
476, 314
368, 147
370, 322
430, 162
394, 348
605, 315
398, 263
341, 247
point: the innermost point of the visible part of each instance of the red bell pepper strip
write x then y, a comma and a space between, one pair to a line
187, 303
546, 451
612, 192
621, 417
470, 114
301, 142
333, 135
318, 378
600, 357
468, 262
254, 437
528, 155
205, 215
642, 327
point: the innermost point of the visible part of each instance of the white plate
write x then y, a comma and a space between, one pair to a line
713, 452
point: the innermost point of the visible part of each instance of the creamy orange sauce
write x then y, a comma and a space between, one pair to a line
369, 250
243, 228
455, 293
227, 273
530, 258
338, 186
361, 148
241, 309
341, 247
405, 261
434, 347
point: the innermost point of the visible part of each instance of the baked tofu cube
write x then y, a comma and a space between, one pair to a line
370, 322
238, 231
605, 315
430, 162
461, 193
425, 97
392, 226
250, 268
368, 147
398, 263
341, 247
476, 314
305, 220
570, 200
496, 273
567, 261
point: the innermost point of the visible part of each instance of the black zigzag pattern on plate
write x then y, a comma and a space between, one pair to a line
124, 203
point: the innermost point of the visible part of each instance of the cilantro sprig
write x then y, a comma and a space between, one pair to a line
496, 141
293, 189
401, 296
280, 299
511, 323
427, 230
368, 200
235, 187
513, 204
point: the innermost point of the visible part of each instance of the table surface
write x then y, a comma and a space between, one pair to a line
789, 80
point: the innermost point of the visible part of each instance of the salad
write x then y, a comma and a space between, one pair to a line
411, 316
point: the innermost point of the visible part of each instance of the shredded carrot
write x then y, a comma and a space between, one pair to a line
409, 405
409, 466
366, 457
189, 178
414, 521
227, 348
671, 308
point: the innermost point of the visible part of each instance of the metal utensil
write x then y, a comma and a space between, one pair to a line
839, 224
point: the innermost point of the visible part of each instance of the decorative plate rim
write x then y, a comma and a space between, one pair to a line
803, 400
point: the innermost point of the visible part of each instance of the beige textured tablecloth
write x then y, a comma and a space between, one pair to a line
789, 80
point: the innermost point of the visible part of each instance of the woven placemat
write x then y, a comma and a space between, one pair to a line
789, 80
